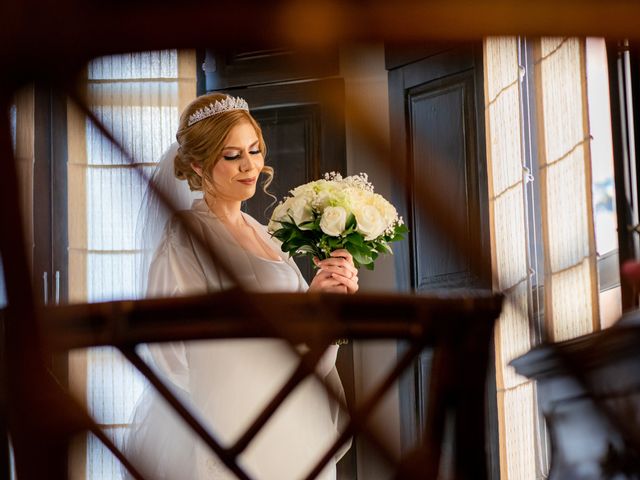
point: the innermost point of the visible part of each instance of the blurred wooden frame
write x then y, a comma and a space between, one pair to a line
52, 41
49, 32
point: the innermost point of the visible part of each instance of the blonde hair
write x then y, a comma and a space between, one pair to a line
202, 142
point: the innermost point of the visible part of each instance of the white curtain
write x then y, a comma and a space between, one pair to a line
138, 97
571, 294
565, 214
507, 183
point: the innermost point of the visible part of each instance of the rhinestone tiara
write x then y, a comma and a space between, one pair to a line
220, 106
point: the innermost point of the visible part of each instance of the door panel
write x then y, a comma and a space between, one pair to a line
436, 106
438, 117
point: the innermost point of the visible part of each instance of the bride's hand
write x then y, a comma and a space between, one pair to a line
336, 274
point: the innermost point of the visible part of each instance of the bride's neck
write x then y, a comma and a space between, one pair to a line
226, 211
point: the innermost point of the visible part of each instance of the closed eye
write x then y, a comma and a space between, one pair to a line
237, 156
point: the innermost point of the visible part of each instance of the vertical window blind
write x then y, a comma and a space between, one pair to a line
507, 183
138, 97
571, 294
565, 214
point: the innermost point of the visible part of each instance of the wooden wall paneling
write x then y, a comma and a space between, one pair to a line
399, 55
254, 66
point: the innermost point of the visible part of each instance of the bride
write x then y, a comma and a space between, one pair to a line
227, 383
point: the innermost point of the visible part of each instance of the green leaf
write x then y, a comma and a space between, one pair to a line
351, 222
351, 247
307, 225
281, 234
356, 238
292, 245
382, 247
359, 257
335, 243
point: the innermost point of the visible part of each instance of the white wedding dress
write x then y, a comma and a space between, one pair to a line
228, 382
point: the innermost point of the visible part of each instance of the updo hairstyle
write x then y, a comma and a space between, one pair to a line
202, 142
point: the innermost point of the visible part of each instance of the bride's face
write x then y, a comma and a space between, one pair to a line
236, 172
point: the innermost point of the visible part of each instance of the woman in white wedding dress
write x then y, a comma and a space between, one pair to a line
228, 382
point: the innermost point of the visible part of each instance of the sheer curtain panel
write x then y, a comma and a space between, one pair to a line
543, 243
138, 97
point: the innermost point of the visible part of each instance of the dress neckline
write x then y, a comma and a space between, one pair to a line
201, 206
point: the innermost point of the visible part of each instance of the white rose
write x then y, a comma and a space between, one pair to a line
388, 211
306, 190
358, 198
333, 221
279, 215
323, 200
300, 210
369, 222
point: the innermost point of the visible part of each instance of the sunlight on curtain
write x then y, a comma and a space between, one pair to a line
507, 179
565, 213
131, 96
571, 293
138, 97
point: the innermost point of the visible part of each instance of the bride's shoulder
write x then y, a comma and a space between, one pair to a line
186, 223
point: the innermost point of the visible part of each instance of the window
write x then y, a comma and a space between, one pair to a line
138, 97
550, 182
602, 170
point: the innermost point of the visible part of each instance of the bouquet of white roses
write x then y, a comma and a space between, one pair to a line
322, 216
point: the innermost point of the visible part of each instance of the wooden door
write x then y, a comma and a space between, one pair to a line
436, 107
